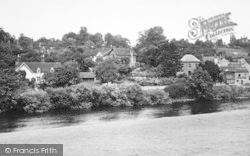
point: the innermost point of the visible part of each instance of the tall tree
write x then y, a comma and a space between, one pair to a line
201, 85
169, 59
97, 39
213, 70
148, 46
25, 42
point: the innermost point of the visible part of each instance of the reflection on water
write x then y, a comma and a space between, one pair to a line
21, 122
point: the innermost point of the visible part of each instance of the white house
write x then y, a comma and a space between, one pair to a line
189, 63
36, 70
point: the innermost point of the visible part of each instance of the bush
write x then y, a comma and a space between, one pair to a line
155, 97
133, 92
34, 102
230, 92
179, 90
152, 81
112, 94
222, 92
61, 99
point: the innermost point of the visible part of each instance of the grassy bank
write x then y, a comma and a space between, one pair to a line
224, 133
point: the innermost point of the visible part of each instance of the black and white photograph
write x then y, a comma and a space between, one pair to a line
124, 78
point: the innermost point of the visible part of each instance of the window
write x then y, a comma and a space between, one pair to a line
38, 78
38, 70
189, 73
189, 65
239, 75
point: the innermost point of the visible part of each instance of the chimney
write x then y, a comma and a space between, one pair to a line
42, 58
18, 60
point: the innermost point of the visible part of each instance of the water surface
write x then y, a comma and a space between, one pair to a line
22, 122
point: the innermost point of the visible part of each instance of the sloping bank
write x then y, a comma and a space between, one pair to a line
224, 133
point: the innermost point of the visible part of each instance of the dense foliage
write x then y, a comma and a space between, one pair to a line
64, 75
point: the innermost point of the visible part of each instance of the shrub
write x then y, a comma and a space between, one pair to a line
223, 92
133, 92
34, 102
179, 90
114, 96
155, 97
61, 99
83, 96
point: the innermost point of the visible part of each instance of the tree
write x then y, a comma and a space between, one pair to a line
97, 39
9, 84
84, 63
148, 45
201, 84
117, 41
169, 59
219, 43
83, 36
107, 71
25, 42
65, 75
213, 70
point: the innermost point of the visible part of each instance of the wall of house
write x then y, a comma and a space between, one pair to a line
223, 63
132, 60
241, 78
30, 75
189, 67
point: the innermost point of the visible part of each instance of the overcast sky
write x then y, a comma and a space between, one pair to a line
54, 18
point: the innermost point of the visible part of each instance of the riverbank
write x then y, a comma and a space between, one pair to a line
224, 133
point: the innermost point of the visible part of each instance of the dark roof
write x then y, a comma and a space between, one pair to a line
44, 67
234, 64
241, 70
86, 75
121, 52
107, 51
95, 51
248, 60
235, 69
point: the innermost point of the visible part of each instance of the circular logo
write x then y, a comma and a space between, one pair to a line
7, 150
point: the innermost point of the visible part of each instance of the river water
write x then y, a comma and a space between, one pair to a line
23, 122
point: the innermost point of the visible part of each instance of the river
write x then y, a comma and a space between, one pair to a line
23, 122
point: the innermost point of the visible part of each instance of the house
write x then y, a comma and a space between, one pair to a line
236, 75
127, 55
35, 70
189, 63
87, 76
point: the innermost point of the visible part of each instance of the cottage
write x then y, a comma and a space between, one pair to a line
236, 75
189, 63
36, 70
127, 55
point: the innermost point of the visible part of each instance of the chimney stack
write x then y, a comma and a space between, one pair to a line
18, 60
42, 58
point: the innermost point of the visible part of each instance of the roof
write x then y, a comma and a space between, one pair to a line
86, 75
107, 51
235, 64
208, 58
44, 66
121, 52
189, 58
247, 60
235, 69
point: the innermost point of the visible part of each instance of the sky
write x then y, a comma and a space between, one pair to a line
54, 18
